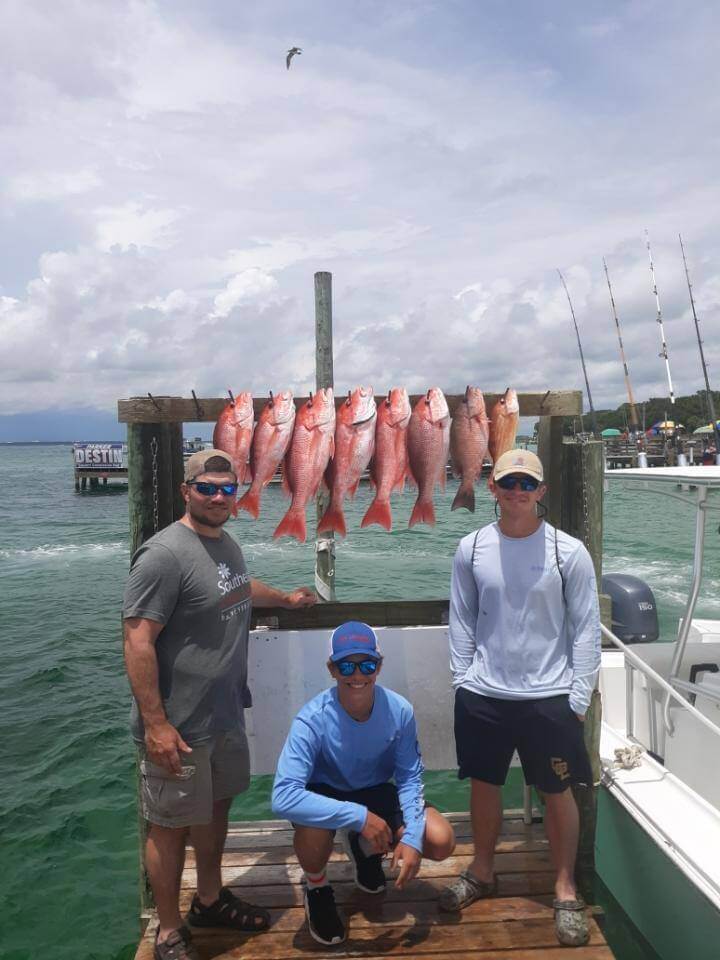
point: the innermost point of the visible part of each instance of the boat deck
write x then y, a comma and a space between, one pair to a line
517, 924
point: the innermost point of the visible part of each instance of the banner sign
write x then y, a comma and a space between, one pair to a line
98, 456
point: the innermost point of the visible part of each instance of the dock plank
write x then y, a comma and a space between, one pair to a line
516, 924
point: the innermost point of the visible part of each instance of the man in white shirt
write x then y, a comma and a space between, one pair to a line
524, 655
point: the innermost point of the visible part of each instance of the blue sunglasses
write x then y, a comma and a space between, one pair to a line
210, 489
527, 484
366, 667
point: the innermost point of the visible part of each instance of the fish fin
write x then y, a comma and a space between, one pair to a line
247, 474
423, 512
333, 519
285, 483
250, 501
234, 508
408, 477
378, 512
443, 478
292, 525
465, 497
353, 490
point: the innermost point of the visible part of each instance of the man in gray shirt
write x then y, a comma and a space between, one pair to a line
186, 617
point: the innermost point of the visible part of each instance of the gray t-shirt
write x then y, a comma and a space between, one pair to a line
199, 589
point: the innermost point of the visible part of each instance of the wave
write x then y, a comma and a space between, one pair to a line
48, 551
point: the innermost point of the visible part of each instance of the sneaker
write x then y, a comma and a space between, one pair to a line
369, 874
323, 919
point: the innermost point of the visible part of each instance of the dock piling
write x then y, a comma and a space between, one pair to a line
324, 546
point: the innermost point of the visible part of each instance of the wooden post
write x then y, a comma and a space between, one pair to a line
324, 546
582, 517
154, 478
155, 472
550, 444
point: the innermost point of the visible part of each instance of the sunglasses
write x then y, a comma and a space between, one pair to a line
210, 489
527, 484
366, 667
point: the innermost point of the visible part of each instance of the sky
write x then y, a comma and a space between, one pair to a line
169, 190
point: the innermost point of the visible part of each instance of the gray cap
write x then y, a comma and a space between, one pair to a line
200, 463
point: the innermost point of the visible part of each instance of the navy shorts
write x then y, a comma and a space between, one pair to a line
382, 800
546, 733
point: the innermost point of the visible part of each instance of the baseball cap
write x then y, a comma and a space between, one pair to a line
518, 461
353, 637
198, 463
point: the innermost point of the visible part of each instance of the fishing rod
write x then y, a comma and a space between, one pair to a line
582, 359
708, 391
633, 412
663, 343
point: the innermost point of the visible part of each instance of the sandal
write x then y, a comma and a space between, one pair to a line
228, 911
178, 946
464, 890
571, 925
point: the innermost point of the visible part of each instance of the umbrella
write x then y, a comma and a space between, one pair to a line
664, 427
611, 432
708, 429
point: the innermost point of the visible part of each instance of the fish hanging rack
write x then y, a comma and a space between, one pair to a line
152, 409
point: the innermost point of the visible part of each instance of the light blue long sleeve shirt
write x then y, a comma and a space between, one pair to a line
325, 745
511, 634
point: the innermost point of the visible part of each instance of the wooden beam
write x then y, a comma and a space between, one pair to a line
555, 403
324, 545
378, 613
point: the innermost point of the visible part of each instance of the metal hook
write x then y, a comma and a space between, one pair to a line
542, 402
232, 398
198, 408
310, 401
272, 401
387, 401
349, 399
154, 402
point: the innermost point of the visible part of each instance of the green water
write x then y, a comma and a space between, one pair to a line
67, 801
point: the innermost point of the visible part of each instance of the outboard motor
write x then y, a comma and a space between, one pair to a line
634, 612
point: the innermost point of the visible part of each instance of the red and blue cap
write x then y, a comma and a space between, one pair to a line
353, 637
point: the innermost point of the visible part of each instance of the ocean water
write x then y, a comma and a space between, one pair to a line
67, 796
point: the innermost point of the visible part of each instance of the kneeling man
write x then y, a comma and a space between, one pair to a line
344, 748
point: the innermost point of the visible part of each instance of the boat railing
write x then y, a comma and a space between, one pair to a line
637, 663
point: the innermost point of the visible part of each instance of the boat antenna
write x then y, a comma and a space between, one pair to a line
633, 412
708, 391
663, 343
582, 359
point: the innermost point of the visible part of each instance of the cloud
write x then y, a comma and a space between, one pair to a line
171, 194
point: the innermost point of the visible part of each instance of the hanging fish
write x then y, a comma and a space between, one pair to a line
503, 424
233, 433
428, 444
311, 448
270, 444
354, 447
469, 435
390, 466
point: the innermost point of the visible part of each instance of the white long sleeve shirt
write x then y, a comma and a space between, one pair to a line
512, 636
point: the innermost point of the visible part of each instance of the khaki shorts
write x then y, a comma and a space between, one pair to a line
217, 769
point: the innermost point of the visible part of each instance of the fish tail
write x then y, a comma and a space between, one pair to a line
333, 519
465, 497
423, 512
292, 525
250, 501
378, 512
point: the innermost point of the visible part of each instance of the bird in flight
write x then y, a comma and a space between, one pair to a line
290, 54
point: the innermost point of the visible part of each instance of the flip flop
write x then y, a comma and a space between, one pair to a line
464, 890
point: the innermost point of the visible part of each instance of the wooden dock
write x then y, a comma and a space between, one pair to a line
517, 924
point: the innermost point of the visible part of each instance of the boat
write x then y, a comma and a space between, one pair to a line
658, 829
192, 445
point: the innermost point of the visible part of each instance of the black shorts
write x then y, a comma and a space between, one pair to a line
382, 800
546, 733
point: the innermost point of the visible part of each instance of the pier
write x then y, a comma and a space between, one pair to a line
517, 924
